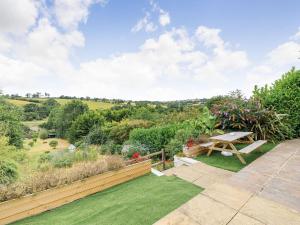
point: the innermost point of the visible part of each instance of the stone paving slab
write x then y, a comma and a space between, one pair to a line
241, 219
270, 212
267, 192
228, 195
207, 211
200, 174
176, 218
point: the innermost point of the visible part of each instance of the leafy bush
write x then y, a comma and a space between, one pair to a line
10, 123
43, 134
131, 149
45, 157
284, 97
83, 124
155, 138
53, 143
248, 115
119, 132
31, 144
63, 162
8, 171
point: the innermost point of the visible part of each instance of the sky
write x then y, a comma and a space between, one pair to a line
146, 49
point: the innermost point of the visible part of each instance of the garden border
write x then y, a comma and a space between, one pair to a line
36, 203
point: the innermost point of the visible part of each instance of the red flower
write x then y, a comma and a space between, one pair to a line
136, 155
190, 143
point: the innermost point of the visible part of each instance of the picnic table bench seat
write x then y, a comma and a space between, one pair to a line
206, 145
252, 146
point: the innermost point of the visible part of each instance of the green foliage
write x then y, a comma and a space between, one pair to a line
155, 138
61, 118
45, 157
83, 124
43, 134
119, 132
10, 123
8, 171
236, 113
31, 144
53, 143
33, 111
134, 148
284, 97
97, 135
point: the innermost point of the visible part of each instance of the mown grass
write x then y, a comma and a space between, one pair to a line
140, 201
232, 163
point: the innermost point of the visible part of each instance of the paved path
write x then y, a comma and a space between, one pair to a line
200, 174
265, 192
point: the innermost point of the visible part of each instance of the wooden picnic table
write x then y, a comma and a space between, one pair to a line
226, 143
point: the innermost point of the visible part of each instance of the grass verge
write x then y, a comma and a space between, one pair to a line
232, 163
140, 201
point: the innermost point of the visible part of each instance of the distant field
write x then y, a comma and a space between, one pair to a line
18, 102
93, 105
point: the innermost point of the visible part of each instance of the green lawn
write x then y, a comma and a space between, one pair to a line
232, 163
141, 201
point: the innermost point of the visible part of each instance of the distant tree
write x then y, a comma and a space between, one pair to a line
61, 118
28, 95
10, 123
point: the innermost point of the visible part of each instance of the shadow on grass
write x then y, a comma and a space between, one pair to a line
232, 163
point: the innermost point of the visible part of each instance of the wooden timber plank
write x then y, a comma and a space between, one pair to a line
252, 146
19, 208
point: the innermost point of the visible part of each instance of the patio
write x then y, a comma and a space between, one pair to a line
265, 192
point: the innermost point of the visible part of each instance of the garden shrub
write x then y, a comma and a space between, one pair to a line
43, 134
83, 124
248, 115
155, 138
8, 171
119, 132
284, 97
53, 143
45, 157
63, 162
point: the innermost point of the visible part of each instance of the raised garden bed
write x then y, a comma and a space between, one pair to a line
33, 204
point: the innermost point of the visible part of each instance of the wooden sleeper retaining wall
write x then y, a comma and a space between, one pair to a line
36, 203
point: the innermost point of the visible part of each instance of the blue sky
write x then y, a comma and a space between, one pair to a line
258, 26
146, 49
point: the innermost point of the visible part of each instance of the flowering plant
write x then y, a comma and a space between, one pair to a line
190, 143
135, 155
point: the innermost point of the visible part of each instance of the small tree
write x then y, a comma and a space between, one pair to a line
53, 144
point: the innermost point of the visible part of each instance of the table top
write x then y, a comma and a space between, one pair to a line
230, 137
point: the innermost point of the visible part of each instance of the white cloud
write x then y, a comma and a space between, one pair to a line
209, 36
144, 23
69, 13
286, 53
164, 19
174, 65
17, 16
296, 36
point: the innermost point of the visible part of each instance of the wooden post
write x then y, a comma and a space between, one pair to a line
163, 158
